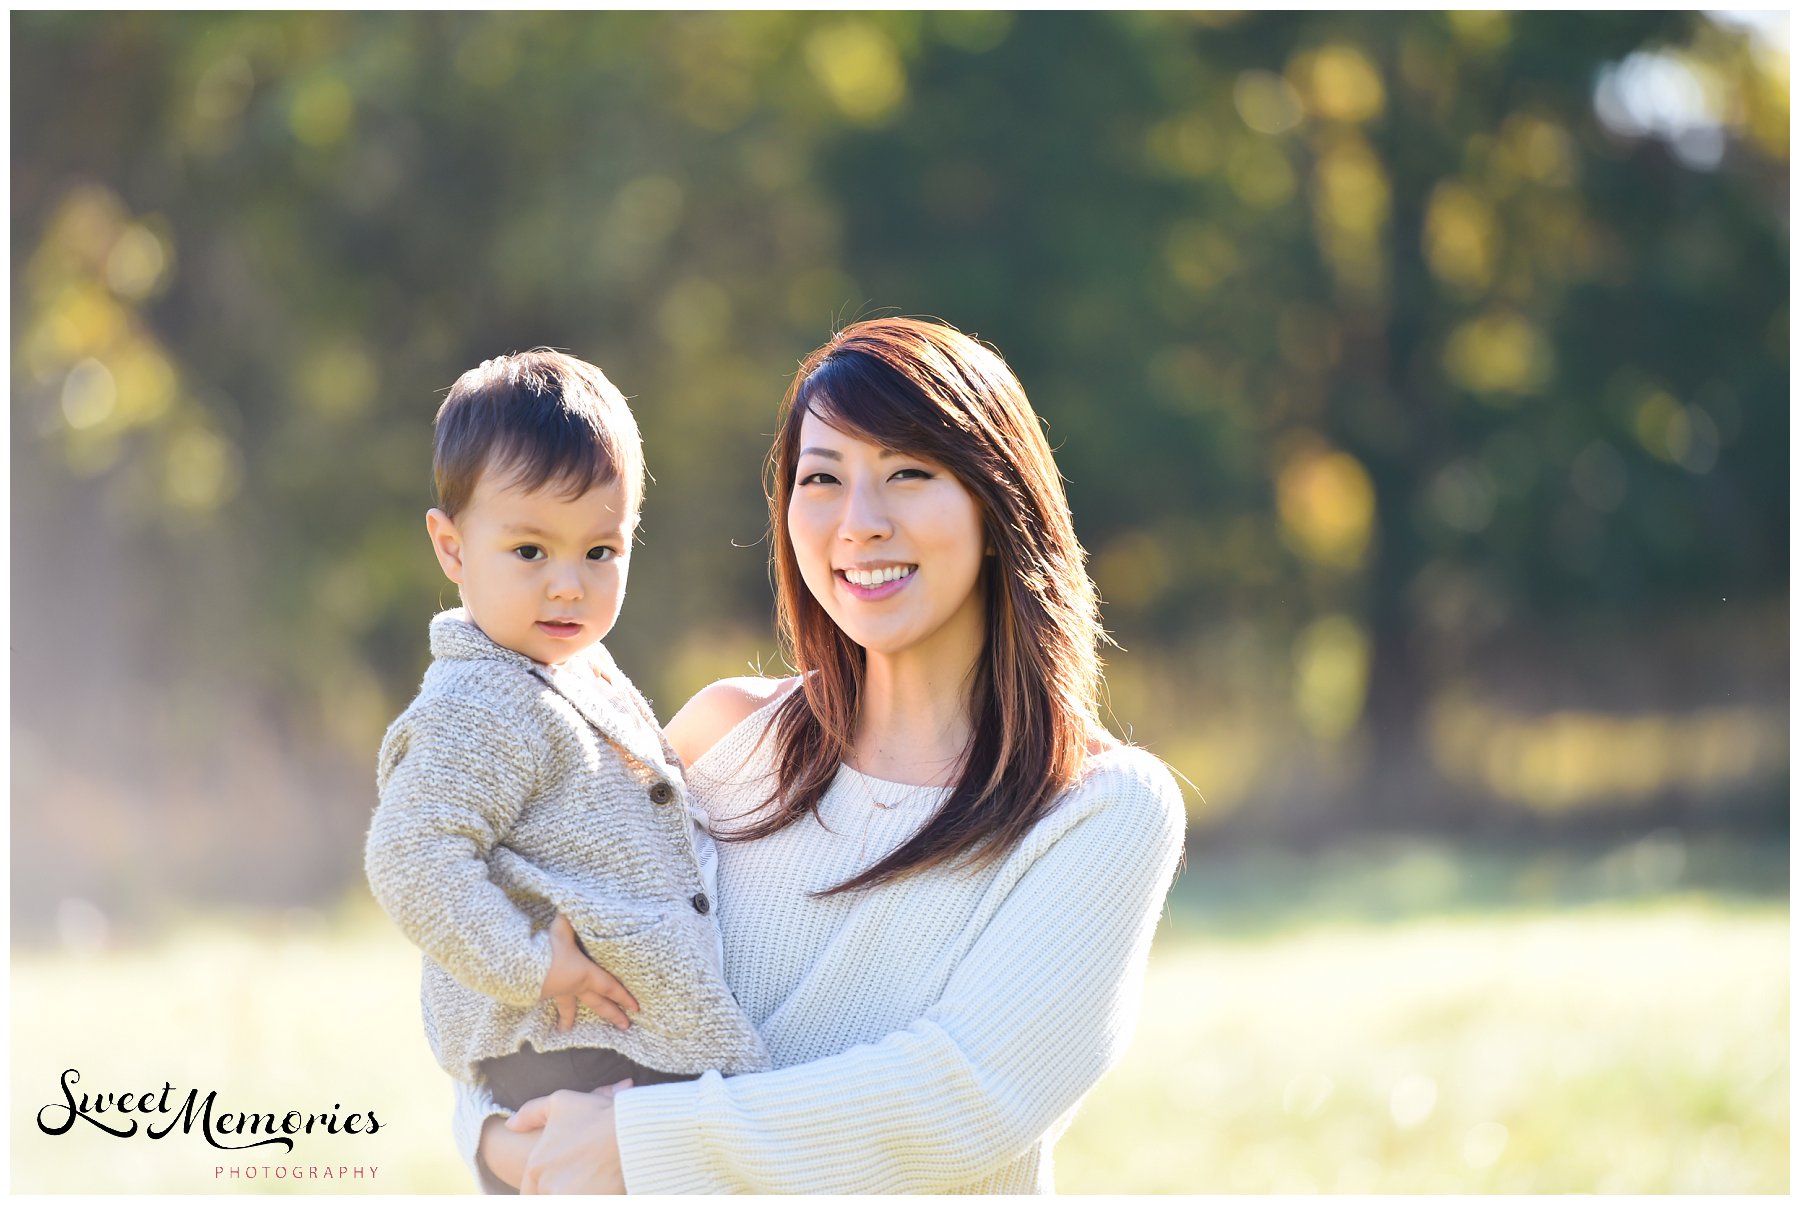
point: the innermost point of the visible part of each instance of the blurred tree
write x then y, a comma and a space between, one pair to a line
1484, 348
1361, 339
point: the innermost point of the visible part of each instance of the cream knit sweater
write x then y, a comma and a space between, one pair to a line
510, 793
934, 1035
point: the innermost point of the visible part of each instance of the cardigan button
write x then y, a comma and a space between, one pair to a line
702, 905
662, 792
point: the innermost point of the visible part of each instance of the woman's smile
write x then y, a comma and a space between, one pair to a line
878, 582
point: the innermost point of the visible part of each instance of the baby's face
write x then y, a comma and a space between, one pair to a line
541, 573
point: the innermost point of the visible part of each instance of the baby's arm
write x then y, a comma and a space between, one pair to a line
453, 776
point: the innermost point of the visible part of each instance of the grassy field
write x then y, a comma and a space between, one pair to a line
1632, 1045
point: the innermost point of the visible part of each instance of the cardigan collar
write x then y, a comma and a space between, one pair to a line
455, 637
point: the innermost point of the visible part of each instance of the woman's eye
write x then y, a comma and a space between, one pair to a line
529, 552
601, 553
911, 475
818, 479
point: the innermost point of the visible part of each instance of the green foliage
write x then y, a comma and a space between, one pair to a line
1362, 321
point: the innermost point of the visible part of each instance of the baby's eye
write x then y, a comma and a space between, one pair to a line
601, 553
529, 552
818, 479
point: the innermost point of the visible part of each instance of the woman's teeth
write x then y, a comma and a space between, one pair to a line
874, 577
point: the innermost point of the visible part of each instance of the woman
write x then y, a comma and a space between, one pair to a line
938, 875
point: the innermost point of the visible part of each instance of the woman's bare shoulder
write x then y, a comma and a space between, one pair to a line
719, 708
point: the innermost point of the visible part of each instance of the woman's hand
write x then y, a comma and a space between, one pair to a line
577, 1148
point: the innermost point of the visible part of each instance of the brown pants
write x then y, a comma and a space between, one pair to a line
528, 1074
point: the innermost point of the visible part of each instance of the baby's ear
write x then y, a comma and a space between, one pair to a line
446, 541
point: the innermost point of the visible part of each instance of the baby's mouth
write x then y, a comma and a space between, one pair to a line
563, 628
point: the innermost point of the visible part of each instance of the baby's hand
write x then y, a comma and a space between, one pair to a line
574, 979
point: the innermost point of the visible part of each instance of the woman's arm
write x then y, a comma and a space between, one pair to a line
1037, 1010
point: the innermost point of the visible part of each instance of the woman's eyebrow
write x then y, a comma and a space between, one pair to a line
827, 453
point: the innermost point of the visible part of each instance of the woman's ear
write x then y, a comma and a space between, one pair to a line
446, 542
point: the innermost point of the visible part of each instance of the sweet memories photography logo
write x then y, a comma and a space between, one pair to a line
156, 1115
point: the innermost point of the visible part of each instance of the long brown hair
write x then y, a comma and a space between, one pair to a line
932, 391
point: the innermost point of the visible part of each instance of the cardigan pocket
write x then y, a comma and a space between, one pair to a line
687, 1020
656, 964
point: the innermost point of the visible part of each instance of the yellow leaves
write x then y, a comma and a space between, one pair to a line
1351, 197
147, 381
138, 264
320, 111
1331, 676
1537, 149
339, 379
1499, 355
859, 67
215, 112
1478, 31
1267, 102
88, 395
1353, 188
694, 315
1187, 145
1326, 502
200, 471
1570, 760
1683, 435
1339, 83
1259, 174
1133, 571
1461, 239
1200, 255
105, 371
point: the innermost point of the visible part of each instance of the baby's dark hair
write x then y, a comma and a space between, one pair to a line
540, 416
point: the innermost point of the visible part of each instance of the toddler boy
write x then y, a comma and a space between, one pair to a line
529, 806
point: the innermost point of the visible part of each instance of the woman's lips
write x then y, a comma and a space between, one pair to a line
873, 593
559, 630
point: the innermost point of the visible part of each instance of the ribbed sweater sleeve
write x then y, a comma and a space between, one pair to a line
474, 1105
452, 777
1041, 1004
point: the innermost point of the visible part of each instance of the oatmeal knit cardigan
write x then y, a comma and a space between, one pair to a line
511, 792
933, 1035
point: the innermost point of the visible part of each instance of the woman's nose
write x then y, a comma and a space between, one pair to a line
864, 518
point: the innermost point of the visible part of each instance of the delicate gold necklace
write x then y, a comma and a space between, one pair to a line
863, 786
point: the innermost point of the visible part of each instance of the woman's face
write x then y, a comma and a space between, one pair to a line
890, 544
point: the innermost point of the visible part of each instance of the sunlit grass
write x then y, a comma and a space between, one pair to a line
1602, 1050
1610, 1051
